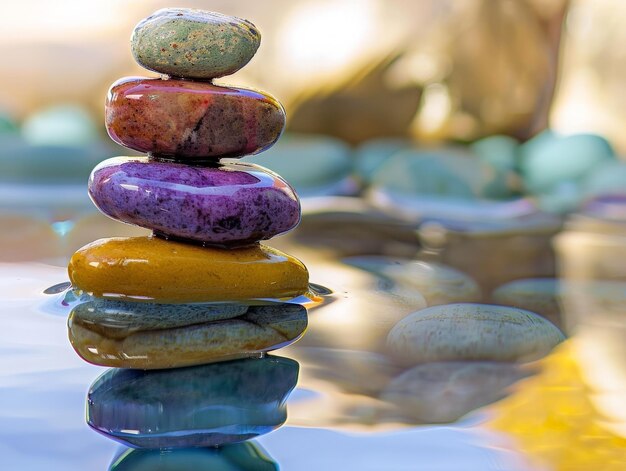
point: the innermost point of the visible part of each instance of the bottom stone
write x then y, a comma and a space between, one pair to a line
191, 407
149, 268
156, 336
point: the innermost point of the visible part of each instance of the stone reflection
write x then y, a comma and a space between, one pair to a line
247, 456
154, 336
192, 407
410, 360
445, 392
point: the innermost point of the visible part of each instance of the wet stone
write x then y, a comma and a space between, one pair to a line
191, 120
200, 406
234, 204
149, 268
190, 43
157, 336
453, 332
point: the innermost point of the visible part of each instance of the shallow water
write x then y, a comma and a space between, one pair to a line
44, 388
348, 409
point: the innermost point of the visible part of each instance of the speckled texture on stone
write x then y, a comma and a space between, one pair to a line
453, 332
234, 204
189, 120
260, 329
198, 406
189, 43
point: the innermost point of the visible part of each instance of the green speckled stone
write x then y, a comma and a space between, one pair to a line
198, 44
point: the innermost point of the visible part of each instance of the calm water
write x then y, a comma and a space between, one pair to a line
343, 413
44, 387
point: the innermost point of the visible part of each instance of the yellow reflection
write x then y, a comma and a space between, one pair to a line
553, 419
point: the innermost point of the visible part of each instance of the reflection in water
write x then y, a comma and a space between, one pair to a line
153, 336
554, 420
188, 407
445, 392
246, 456
438, 283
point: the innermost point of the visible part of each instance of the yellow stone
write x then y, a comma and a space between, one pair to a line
149, 268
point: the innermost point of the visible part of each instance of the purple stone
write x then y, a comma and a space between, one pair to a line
230, 204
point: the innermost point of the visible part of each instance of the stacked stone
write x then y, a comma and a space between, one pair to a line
207, 216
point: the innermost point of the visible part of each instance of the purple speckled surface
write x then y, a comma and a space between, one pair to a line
232, 204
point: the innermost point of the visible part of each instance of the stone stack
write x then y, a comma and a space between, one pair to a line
154, 297
202, 289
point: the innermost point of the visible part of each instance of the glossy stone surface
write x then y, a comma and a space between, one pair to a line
157, 336
233, 204
191, 120
189, 43
444, 392
191, 407
246, 456
149, 268
452, 332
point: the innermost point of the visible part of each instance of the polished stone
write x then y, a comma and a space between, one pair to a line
157, 336
234, 204
453, 332
191, 120
245, 456
150, 268
190, 43
191, 407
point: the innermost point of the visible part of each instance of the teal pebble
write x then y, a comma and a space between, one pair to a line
188, 43
499, 152
440, 172
24, 163
552, 159
371, 155
63, 125
607, 179
312, 164
7, 125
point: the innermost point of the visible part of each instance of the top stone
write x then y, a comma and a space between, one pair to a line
195, 44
